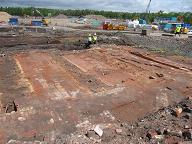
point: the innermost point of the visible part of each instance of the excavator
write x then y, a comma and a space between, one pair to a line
148, 6
44, 20
154, 26
147, 11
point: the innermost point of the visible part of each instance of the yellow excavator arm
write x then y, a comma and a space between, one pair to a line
44, 20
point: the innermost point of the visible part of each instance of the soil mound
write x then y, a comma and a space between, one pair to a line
61, 16
97, 17
4, 16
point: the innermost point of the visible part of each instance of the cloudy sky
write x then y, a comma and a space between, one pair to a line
114, 5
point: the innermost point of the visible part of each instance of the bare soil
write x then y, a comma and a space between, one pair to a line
53, 90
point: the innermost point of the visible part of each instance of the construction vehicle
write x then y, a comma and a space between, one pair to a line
45, 21
184, 30
120, 27
189, 32
108, 25
148, 6
154, 26
170, 27
144, 19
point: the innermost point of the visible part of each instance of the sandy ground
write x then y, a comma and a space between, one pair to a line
54, 22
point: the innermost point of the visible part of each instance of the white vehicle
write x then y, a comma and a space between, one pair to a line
189, 32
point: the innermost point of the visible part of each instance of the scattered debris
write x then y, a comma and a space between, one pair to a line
187, 134
52, 121
159, 137
151, 134
187, 116
151, 77
11, 106
108, 115
13, 34
98, 130
83, 124
187, 110
177, 133
159, 75
21, 118
155, 128
168, 88
178, 112
186, 127
119, 131
2, 55
92, 135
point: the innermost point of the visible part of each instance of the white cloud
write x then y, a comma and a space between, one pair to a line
114, 5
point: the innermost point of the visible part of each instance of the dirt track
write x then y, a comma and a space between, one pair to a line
60, 92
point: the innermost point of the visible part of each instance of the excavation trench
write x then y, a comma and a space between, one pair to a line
56, 90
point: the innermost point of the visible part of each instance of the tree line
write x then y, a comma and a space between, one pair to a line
19, 11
